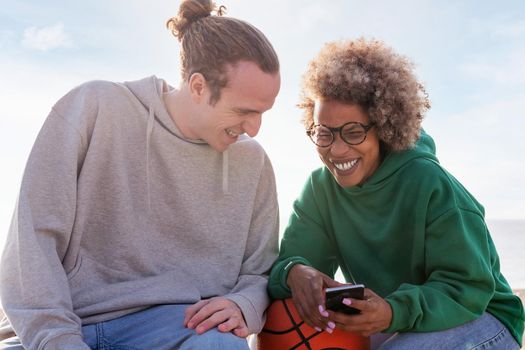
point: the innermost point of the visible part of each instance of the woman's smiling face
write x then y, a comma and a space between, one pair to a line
350, 165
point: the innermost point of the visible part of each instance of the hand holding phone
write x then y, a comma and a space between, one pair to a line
335, 296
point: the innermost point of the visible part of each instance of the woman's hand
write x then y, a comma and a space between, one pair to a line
375, 316
307, 285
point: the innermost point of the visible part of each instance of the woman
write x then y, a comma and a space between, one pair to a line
384, 210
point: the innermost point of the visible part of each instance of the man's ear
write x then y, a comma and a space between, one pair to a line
198, 87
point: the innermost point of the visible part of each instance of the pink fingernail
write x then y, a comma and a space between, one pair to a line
318, 329
347, 301
329, 330
322, 311
331, 325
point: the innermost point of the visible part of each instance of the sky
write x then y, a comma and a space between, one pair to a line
469, 54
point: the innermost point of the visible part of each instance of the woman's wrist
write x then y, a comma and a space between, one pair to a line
291, 271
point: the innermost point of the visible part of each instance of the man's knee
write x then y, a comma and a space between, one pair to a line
215, 340
11, 344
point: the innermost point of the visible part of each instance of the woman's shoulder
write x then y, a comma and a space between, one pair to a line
442, 185
425, 169
427, 176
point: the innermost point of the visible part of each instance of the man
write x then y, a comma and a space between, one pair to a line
146, 218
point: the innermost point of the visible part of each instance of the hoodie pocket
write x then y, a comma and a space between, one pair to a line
90, 272
96, 288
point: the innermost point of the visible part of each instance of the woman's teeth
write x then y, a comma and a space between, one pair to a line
345, 166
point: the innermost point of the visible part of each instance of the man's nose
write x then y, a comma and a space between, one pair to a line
252, 125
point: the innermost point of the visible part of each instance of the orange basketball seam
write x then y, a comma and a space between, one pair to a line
297, 329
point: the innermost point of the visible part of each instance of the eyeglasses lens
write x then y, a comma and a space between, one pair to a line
352, 133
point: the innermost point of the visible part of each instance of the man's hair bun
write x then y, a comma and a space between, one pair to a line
191, 11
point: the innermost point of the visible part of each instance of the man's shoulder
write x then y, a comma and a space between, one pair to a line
95, 88
248, 154
247, 146
90, 93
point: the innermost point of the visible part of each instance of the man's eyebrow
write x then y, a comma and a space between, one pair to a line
245, 110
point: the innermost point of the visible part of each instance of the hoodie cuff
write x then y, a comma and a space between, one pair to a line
253, 320
277, 285
399, 313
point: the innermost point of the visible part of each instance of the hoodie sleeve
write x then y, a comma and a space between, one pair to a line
261, 250
305, 242
458, 264
33, 283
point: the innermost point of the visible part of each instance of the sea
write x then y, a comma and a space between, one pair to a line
509, 238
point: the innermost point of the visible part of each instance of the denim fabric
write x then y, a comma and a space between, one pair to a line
484, 333
157, 328
11, 344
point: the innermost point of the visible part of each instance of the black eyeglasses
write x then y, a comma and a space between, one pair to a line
353, 133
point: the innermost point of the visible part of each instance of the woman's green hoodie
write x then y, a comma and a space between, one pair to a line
411, 233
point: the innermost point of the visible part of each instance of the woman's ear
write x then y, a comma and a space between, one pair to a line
198, 87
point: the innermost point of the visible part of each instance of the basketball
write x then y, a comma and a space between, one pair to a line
284, 329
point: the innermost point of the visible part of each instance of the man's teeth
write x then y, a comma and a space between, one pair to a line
231, 133
345, 166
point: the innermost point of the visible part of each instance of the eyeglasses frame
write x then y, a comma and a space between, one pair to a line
340, 131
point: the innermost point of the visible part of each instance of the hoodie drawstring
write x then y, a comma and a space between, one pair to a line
225, 172
149, 131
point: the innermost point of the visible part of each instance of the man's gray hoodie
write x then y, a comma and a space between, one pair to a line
119, 212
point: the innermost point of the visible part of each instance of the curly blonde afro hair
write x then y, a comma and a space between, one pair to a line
373, 76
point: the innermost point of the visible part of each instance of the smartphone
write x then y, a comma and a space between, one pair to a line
335, 296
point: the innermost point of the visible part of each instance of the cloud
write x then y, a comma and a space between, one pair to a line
46, 38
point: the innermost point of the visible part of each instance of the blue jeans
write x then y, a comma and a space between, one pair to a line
156, 328
484, 333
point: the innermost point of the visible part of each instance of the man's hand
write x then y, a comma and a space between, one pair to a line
307, 285
375, 316
216, 312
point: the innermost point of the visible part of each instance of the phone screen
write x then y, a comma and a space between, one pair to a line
335, 296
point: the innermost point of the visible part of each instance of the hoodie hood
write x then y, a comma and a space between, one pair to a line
149, 92
424, 148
